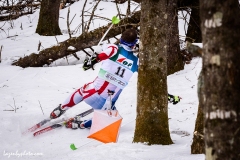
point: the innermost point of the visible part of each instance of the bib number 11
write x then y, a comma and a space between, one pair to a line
120, 71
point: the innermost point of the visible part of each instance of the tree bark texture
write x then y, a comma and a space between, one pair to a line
48, 18
220, 25
198, 144
152, 106
174, 58
84, 41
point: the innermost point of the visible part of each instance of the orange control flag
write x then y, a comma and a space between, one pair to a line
105, 126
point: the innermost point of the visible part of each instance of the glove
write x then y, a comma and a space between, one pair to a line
173, 99
89, 63
74, 123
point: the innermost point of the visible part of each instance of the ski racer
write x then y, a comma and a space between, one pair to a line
118, 65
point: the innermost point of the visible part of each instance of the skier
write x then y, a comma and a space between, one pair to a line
118, 65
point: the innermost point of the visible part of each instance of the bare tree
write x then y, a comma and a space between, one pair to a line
86, 40
174, 58
198, 145
152, 106
14, 9
194, 29
220, 24
193, 33
48, 18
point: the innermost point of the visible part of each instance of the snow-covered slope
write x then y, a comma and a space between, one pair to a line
32, 90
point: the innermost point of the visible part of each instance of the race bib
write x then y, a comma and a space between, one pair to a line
124, 61
111, 78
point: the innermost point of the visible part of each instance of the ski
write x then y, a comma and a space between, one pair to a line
54, 126
60, 124
38, 125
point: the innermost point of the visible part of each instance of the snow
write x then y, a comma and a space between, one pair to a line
35, 92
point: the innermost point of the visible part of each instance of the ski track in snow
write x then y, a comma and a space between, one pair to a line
59, 140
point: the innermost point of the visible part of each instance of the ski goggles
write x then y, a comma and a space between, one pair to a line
129, 44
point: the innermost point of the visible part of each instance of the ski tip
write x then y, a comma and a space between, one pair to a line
73, 147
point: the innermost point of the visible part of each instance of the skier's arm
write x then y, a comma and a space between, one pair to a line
110, 51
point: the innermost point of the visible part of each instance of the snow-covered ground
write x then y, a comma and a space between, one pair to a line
32, 90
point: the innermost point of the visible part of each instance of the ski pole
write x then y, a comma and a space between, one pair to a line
115, 20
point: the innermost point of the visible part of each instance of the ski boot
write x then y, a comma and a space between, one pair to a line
57, 112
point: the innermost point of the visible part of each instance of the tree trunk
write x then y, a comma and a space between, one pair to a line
48, 18
85, 40
152, 106
194, 33
198, 145
174, 58
220, 25
194, 30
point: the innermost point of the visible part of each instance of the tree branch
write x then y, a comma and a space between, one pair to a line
85, 40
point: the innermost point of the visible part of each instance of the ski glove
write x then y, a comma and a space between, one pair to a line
173, 99
89, 63
75, 123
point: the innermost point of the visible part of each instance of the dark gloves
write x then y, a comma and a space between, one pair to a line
90, 62
173, 99
74, 123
